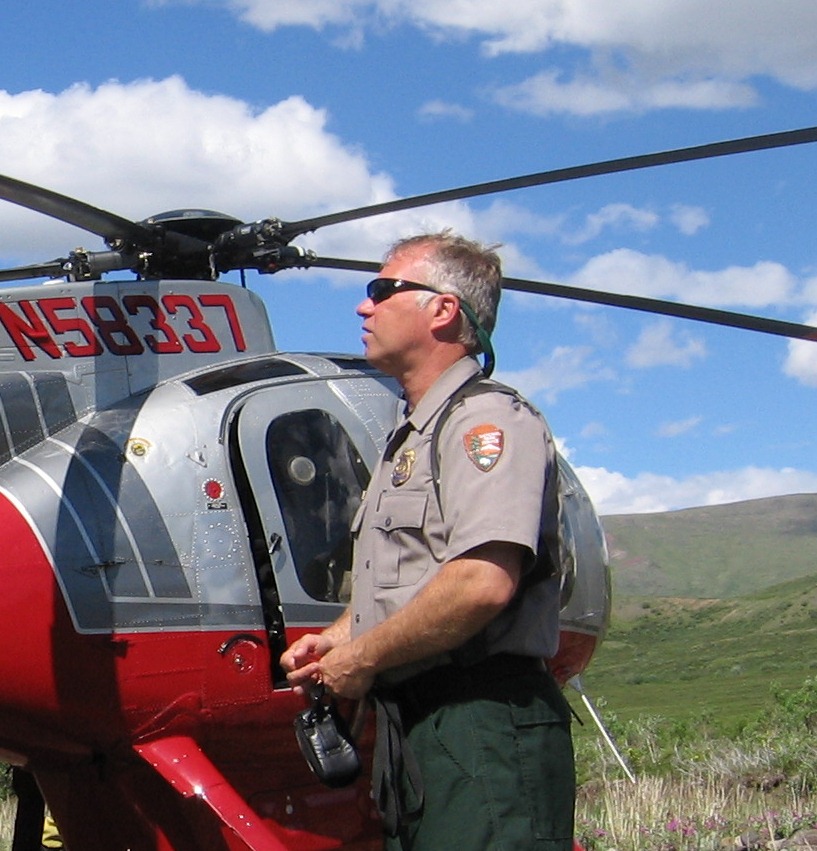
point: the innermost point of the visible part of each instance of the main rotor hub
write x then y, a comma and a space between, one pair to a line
206, 225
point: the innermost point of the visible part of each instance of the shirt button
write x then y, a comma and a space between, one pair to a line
387, 522
357, 618
368, 564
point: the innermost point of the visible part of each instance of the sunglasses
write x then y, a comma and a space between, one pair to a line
382, 288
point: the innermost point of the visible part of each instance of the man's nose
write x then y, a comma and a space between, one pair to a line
365, 308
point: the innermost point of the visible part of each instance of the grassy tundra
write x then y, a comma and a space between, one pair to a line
709, 684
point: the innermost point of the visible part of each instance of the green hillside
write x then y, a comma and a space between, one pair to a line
726, 606
714, 552
682, 657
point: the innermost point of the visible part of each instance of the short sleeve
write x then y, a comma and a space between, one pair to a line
495, 453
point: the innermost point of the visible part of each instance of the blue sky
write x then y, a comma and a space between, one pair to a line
292, 109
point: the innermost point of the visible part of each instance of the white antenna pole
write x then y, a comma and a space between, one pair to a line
576, 683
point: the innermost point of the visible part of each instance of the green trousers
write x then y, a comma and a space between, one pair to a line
496, 758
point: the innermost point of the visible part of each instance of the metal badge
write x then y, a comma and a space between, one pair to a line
484, 445
403, 467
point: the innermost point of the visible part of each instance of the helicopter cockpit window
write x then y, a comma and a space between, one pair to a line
319, 478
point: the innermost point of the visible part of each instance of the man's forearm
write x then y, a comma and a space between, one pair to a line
456, 604
339, 632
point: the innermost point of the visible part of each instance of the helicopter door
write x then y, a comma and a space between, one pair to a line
306, 472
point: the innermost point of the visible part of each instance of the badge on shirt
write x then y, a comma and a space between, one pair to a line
483, 445
402, 468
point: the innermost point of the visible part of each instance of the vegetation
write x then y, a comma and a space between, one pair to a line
677, 658
707, 681
697, 787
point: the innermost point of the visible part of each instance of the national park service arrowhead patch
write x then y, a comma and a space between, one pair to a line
483, 445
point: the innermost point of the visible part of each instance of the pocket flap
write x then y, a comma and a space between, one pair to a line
402, 510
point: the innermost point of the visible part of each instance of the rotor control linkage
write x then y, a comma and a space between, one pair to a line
82, 265
258, 245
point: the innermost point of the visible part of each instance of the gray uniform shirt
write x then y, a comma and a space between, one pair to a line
495, 456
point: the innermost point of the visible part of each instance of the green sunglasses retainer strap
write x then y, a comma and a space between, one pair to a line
489, 358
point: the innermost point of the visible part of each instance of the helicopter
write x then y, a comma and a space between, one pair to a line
176, 495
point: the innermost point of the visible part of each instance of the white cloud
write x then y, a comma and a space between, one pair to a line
617, 216
626, 271
708, 36
503, 217
549, 92
593, 430
679, 427
801, 361
689, 220
810, 291
435, 110
269, 15
615, 493
166, 145
725, 429
566, 368
628, 55
662, 344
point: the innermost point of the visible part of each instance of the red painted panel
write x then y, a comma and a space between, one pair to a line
575, 652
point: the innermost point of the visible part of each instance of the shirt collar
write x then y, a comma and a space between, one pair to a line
438, 394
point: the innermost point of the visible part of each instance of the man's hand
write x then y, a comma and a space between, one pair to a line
314, 659
308, 648
301, 659
345, 673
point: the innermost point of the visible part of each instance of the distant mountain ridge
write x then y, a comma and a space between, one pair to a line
719, 551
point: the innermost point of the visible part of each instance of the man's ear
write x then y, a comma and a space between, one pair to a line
446, 318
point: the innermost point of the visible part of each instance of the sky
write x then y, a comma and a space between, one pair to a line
292, 109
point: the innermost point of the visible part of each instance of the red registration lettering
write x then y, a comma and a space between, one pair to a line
224, 301
115, 324
28, 329
170, 343
208, 342
108, 328
67, 324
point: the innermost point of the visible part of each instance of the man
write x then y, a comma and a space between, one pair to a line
451, 615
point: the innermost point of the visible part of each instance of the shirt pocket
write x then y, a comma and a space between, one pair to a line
400, 554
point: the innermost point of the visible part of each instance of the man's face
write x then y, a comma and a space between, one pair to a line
396, 329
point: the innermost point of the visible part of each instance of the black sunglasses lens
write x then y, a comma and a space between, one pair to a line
380, 289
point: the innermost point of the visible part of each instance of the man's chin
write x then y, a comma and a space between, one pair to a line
370, 354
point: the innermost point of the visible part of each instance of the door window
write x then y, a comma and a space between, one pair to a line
319, 478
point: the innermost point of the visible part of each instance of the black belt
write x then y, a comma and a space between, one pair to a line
497, 666
489, 678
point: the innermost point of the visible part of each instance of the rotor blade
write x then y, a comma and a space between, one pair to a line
52, 269
700, 152
667, 308
648, 305
74, 212
348, 265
